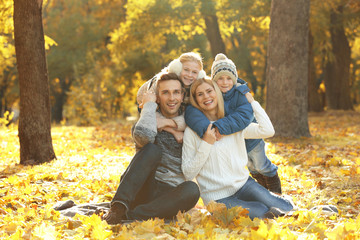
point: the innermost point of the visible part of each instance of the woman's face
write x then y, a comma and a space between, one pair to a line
189, 73
205, 96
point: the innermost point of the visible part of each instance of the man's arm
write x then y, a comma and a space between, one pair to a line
145, 130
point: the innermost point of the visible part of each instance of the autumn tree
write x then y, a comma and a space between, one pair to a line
212, 29
287, 68
34, 123
337, 69
7, 58
81, 30
315, 103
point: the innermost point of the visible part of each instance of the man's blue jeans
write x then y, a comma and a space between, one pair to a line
256, 199
259, 163
145, 197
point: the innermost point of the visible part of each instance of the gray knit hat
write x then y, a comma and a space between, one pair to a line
223, 66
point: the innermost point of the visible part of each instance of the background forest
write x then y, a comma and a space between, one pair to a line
99, 52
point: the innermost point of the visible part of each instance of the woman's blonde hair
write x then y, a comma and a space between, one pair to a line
220, 113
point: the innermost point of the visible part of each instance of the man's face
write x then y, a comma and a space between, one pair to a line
169, 98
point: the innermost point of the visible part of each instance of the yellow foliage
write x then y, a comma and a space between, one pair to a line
91, 160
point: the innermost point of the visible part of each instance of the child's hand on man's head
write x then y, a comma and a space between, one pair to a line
149, 96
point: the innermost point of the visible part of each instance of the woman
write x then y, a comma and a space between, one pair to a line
219, 165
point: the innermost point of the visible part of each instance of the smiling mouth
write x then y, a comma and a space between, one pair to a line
208, 102
172, 105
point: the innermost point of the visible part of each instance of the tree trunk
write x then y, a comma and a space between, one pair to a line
34, 123
239, 48
287, 68
314, 97
337, 71
212, 27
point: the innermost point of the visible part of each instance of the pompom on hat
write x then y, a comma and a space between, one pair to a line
223, 66
175, 66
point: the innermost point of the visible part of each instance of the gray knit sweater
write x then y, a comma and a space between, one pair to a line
145, 131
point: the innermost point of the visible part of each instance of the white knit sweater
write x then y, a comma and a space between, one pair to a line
220, 169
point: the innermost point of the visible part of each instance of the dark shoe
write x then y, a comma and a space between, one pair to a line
274, 213
327, 209
273, 184
116, 214
260, 179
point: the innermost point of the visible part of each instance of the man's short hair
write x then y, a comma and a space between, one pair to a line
166, 77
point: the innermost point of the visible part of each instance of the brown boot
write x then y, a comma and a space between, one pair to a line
260, 179
116, 214
274, 213
273, 184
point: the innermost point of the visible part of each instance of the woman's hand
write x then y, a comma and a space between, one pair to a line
210, 135
218, 134
249, 97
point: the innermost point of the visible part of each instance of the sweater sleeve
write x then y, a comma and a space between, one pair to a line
264, 127
195, 153
144, 88
196, 120
180, 122
145, 130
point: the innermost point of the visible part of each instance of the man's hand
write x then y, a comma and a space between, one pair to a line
209, 135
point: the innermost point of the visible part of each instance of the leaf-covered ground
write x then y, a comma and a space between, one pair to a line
324, 169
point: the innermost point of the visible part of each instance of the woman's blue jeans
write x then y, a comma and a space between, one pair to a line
256, 199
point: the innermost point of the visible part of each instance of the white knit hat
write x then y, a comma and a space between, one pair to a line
175, 66
223, 66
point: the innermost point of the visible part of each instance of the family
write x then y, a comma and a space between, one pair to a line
198, 136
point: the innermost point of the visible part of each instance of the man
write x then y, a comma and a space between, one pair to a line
153, 185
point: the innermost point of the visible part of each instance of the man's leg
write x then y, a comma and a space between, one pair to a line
167, 201
141, 168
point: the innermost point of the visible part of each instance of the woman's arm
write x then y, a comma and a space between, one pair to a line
195, 151
264, 127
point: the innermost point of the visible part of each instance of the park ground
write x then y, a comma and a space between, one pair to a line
323, 169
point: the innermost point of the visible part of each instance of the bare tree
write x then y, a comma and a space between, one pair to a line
34, 122
287, 68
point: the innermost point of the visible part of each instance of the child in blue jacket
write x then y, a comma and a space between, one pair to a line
239, 114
